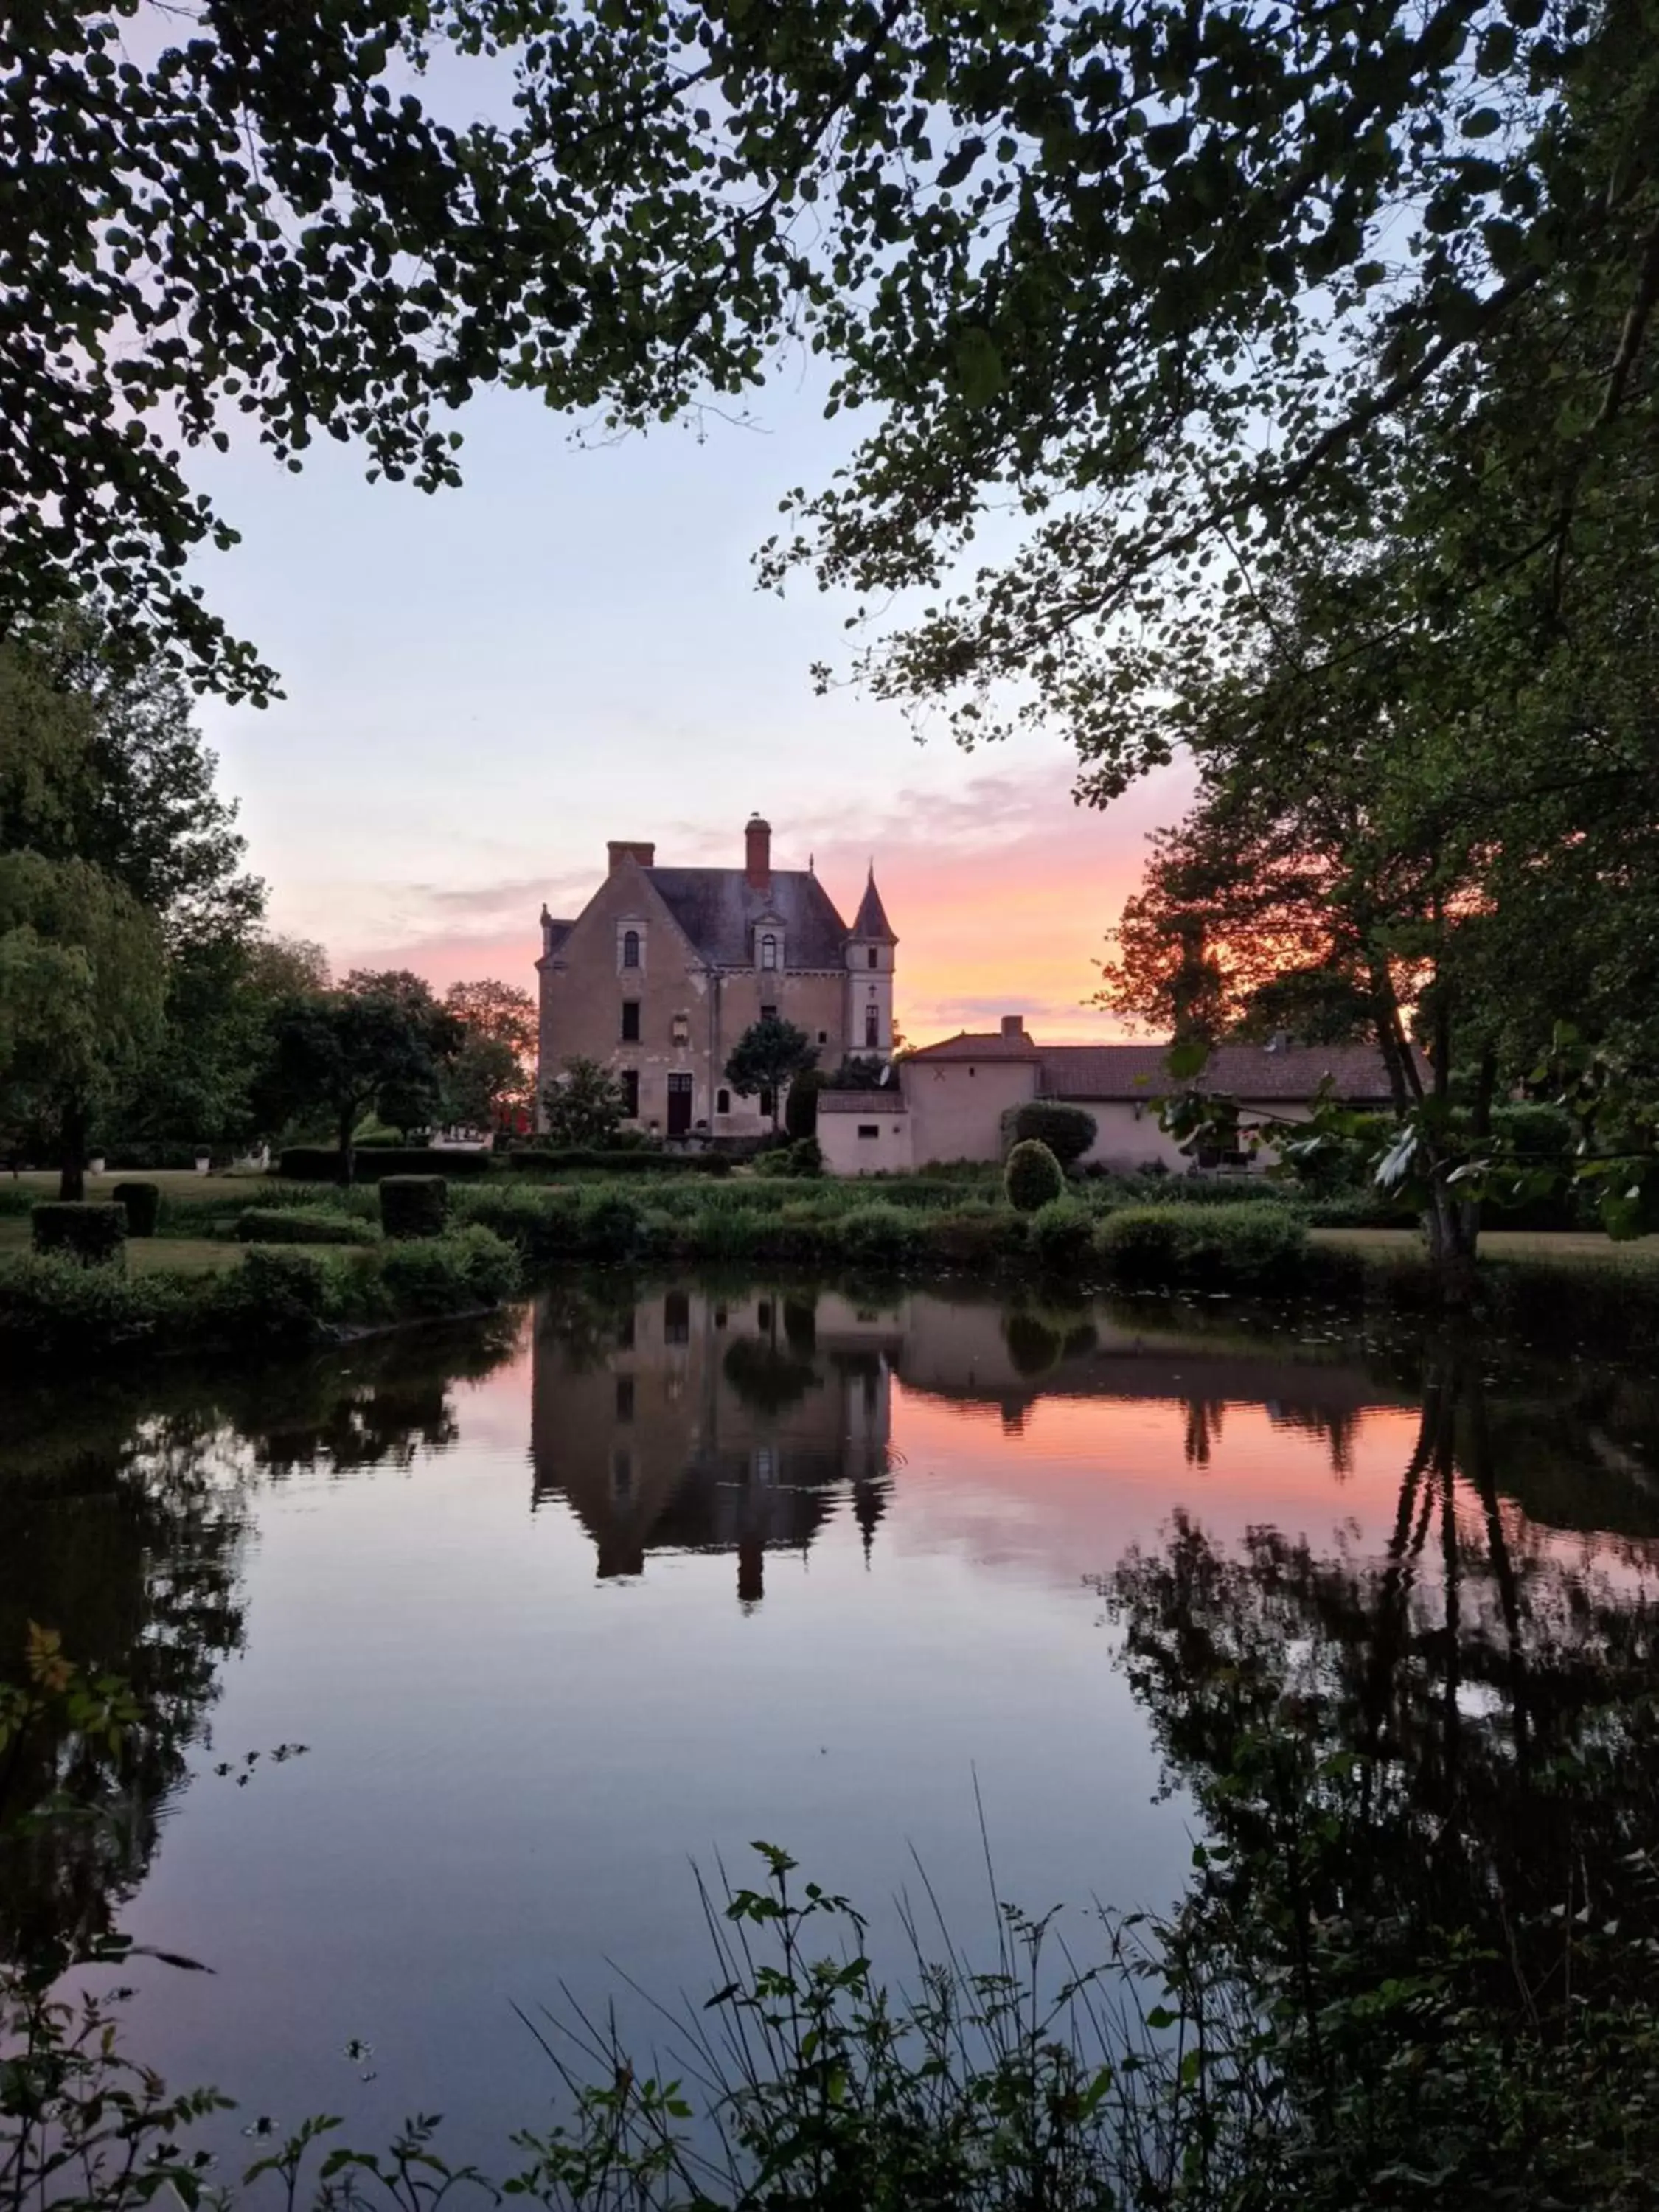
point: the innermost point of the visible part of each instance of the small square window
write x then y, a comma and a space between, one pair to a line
823, 1036
869, 1129
768, 1013
681, 1029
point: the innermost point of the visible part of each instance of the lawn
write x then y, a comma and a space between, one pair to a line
1577, 1247
178, 1255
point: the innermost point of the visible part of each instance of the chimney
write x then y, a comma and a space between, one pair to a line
757, 854
627, 848
1013, 1027
1279, 1042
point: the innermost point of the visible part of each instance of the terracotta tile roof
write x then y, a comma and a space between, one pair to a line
718, 910
979, 1044
1246, 1072
862, 1102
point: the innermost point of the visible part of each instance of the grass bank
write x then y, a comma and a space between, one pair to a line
57, 1310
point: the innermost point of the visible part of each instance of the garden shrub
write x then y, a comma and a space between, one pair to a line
51, 1306
1063, 1233
321, 1164
877, 1236
142, 1201
269, 1296
977, 1235
1159, 1247
1032, 1176
1067, 1131
453, 1273
414, 1206
93, 1232
293, 1225
806, 1157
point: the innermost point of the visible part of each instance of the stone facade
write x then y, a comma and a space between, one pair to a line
665, 969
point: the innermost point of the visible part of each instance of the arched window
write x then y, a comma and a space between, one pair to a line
630, 948
768, 952
722, 1102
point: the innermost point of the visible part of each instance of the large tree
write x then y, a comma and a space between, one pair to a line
492, 1072
381, 1040
1119, 264
82, 982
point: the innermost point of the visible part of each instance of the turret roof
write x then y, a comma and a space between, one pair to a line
870, 922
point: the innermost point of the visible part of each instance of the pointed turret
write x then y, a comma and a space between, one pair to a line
872, 925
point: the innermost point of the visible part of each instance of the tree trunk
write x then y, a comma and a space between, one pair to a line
1452, 1227
348, 1156
72, 1156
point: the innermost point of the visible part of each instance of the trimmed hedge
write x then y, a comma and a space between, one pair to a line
414, 1206
550, 1161
142, 1201
93, 1232
1032, 1177
291, 1224
321, 1164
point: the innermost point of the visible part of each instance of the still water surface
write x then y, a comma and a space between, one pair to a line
647, 1576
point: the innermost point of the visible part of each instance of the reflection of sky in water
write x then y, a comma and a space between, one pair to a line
651, 1603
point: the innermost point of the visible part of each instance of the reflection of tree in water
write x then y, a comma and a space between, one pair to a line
121, 1517
139, 1571
1458, 1734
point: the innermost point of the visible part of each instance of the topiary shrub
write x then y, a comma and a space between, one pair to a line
806, 1157
291, 1224
414, 1204
271, 1297
1067, 1131
142, 1201
1141, 1245
1032, 1176
94, 1232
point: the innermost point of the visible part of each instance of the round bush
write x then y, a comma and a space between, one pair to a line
94, 1232
142, 1201
1067, 1131
1032, 1176
414, 1204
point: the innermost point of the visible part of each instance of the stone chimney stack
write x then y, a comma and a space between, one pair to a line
627, 849
1013, 1026
757, 854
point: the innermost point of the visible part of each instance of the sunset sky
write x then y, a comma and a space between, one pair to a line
484, 686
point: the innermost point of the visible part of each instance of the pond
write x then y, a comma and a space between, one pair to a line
561, 1612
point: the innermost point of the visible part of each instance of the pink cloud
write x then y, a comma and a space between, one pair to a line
1001, 893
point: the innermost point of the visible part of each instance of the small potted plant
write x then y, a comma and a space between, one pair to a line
203, 1159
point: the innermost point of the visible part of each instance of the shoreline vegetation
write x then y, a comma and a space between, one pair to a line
235, 1263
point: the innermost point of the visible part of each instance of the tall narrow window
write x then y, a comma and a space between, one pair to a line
624, 1397
630, 1021
676, 1318
631, 949
722, 1102
768, 952
871, 958
872, 1026
630, 1091
766, 1102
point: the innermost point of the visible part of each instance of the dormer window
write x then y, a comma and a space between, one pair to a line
769, 952
630, 948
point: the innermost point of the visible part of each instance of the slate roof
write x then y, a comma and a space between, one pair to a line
871, 922
1244, 1071
718, 910
978, 1044
862, 1102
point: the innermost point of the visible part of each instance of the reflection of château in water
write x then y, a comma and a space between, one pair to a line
699, 1422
